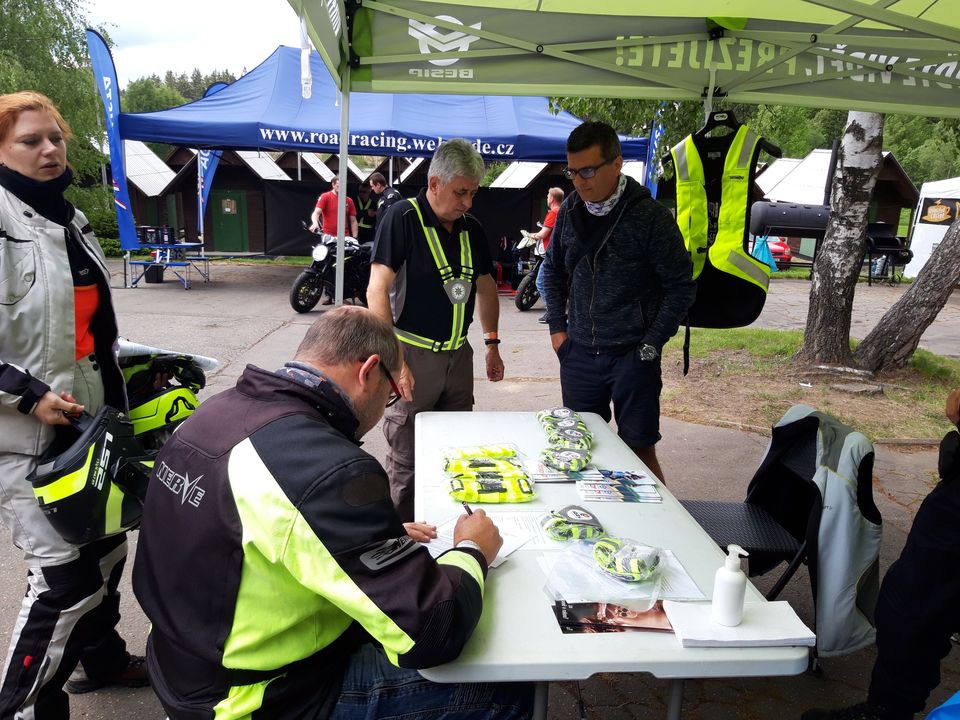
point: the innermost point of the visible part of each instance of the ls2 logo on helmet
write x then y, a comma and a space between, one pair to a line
430, 38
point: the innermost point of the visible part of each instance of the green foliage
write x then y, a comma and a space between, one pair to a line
193, 87
765, 344
97, 204
110, 246
149, 94
43, 48
927, 148
493, 170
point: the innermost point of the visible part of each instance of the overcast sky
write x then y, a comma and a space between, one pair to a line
180, 35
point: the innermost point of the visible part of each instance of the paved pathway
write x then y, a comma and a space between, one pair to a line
243, 316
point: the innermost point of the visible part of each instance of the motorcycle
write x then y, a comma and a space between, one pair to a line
321, 276
527, 293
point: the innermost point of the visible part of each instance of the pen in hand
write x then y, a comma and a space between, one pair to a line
467, 508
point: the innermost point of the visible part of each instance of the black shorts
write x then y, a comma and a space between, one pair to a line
589, 382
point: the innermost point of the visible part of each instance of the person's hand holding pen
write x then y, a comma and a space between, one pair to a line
475, 526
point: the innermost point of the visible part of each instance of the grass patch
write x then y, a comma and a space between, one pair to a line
748, 376
292, 260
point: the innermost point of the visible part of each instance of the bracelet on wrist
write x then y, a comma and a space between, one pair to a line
491, 341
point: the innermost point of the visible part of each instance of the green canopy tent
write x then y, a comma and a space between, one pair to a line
881, 55
885, 56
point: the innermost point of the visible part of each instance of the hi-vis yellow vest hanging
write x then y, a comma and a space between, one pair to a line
458, 289
731, 285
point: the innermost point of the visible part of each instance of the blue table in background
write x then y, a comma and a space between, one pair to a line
175, 256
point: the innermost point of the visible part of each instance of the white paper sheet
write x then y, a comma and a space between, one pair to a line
765, 624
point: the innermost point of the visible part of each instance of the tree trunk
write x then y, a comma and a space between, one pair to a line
891, 343
840, 256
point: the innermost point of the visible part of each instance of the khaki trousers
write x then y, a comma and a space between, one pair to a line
442, 381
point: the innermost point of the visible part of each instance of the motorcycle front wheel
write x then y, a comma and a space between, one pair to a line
306, 292
527, 293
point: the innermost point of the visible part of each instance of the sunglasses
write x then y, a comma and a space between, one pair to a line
394, 390
585, 172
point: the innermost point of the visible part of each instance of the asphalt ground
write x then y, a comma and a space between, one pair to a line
243, 316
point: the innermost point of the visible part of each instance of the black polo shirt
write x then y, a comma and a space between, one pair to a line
420, 304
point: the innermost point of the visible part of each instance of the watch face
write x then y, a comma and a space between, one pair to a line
648, 352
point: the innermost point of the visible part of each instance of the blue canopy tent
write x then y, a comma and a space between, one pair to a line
265, 109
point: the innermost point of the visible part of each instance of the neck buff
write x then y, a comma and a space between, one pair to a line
604, 207
45, 197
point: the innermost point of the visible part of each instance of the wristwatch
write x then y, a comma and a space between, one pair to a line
648, 353
473, 545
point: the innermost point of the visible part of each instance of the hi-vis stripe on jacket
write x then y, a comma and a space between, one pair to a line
269, 543
731, 285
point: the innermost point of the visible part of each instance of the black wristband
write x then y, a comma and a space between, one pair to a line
491, 341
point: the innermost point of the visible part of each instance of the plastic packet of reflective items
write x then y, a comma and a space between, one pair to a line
491, 488
565, 459
571, 523
627, 560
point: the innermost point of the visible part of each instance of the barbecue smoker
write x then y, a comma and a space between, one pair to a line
887, 253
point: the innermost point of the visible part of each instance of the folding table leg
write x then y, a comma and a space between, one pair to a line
540, 698
676, 699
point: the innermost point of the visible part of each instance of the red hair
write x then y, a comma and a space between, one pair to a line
13, 104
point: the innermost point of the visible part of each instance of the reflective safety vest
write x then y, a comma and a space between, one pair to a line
362, 220
458, 289
731, 285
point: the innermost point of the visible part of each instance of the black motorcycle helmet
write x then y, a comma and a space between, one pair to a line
96, 486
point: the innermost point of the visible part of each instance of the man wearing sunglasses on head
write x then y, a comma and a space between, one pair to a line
278, 578
617, 282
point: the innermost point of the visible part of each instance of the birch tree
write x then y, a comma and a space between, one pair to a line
840, 256
892, 342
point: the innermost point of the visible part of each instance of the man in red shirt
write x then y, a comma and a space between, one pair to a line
554, 201
327, 210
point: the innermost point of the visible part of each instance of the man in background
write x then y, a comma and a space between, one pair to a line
366, 206
324, 217
386, 195
554, 201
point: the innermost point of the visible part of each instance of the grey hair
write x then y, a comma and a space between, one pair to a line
456, 157
349, 334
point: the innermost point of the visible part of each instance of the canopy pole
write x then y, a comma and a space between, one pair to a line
299, 176
342, 174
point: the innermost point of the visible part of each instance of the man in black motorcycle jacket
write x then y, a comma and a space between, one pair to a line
278, 579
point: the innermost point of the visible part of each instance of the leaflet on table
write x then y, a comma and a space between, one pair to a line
599, 617
573, 576
607, 491
541, 472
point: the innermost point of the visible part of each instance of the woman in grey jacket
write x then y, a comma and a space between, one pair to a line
57, 336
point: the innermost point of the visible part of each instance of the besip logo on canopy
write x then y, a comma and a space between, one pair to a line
431, 39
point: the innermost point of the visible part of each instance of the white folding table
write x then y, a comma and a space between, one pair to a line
518, 637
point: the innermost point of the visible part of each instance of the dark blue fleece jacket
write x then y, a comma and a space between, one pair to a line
620, 280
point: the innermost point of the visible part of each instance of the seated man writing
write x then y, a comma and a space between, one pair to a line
279, 579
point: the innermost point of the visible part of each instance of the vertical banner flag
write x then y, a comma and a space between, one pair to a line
653, 151
105, 75
207, 161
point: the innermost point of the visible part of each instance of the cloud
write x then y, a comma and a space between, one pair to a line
180, 35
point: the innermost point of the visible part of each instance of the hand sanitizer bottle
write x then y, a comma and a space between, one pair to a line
729, 586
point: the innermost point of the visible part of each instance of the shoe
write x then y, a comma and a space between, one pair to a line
860, 711
542, 319
132, 676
